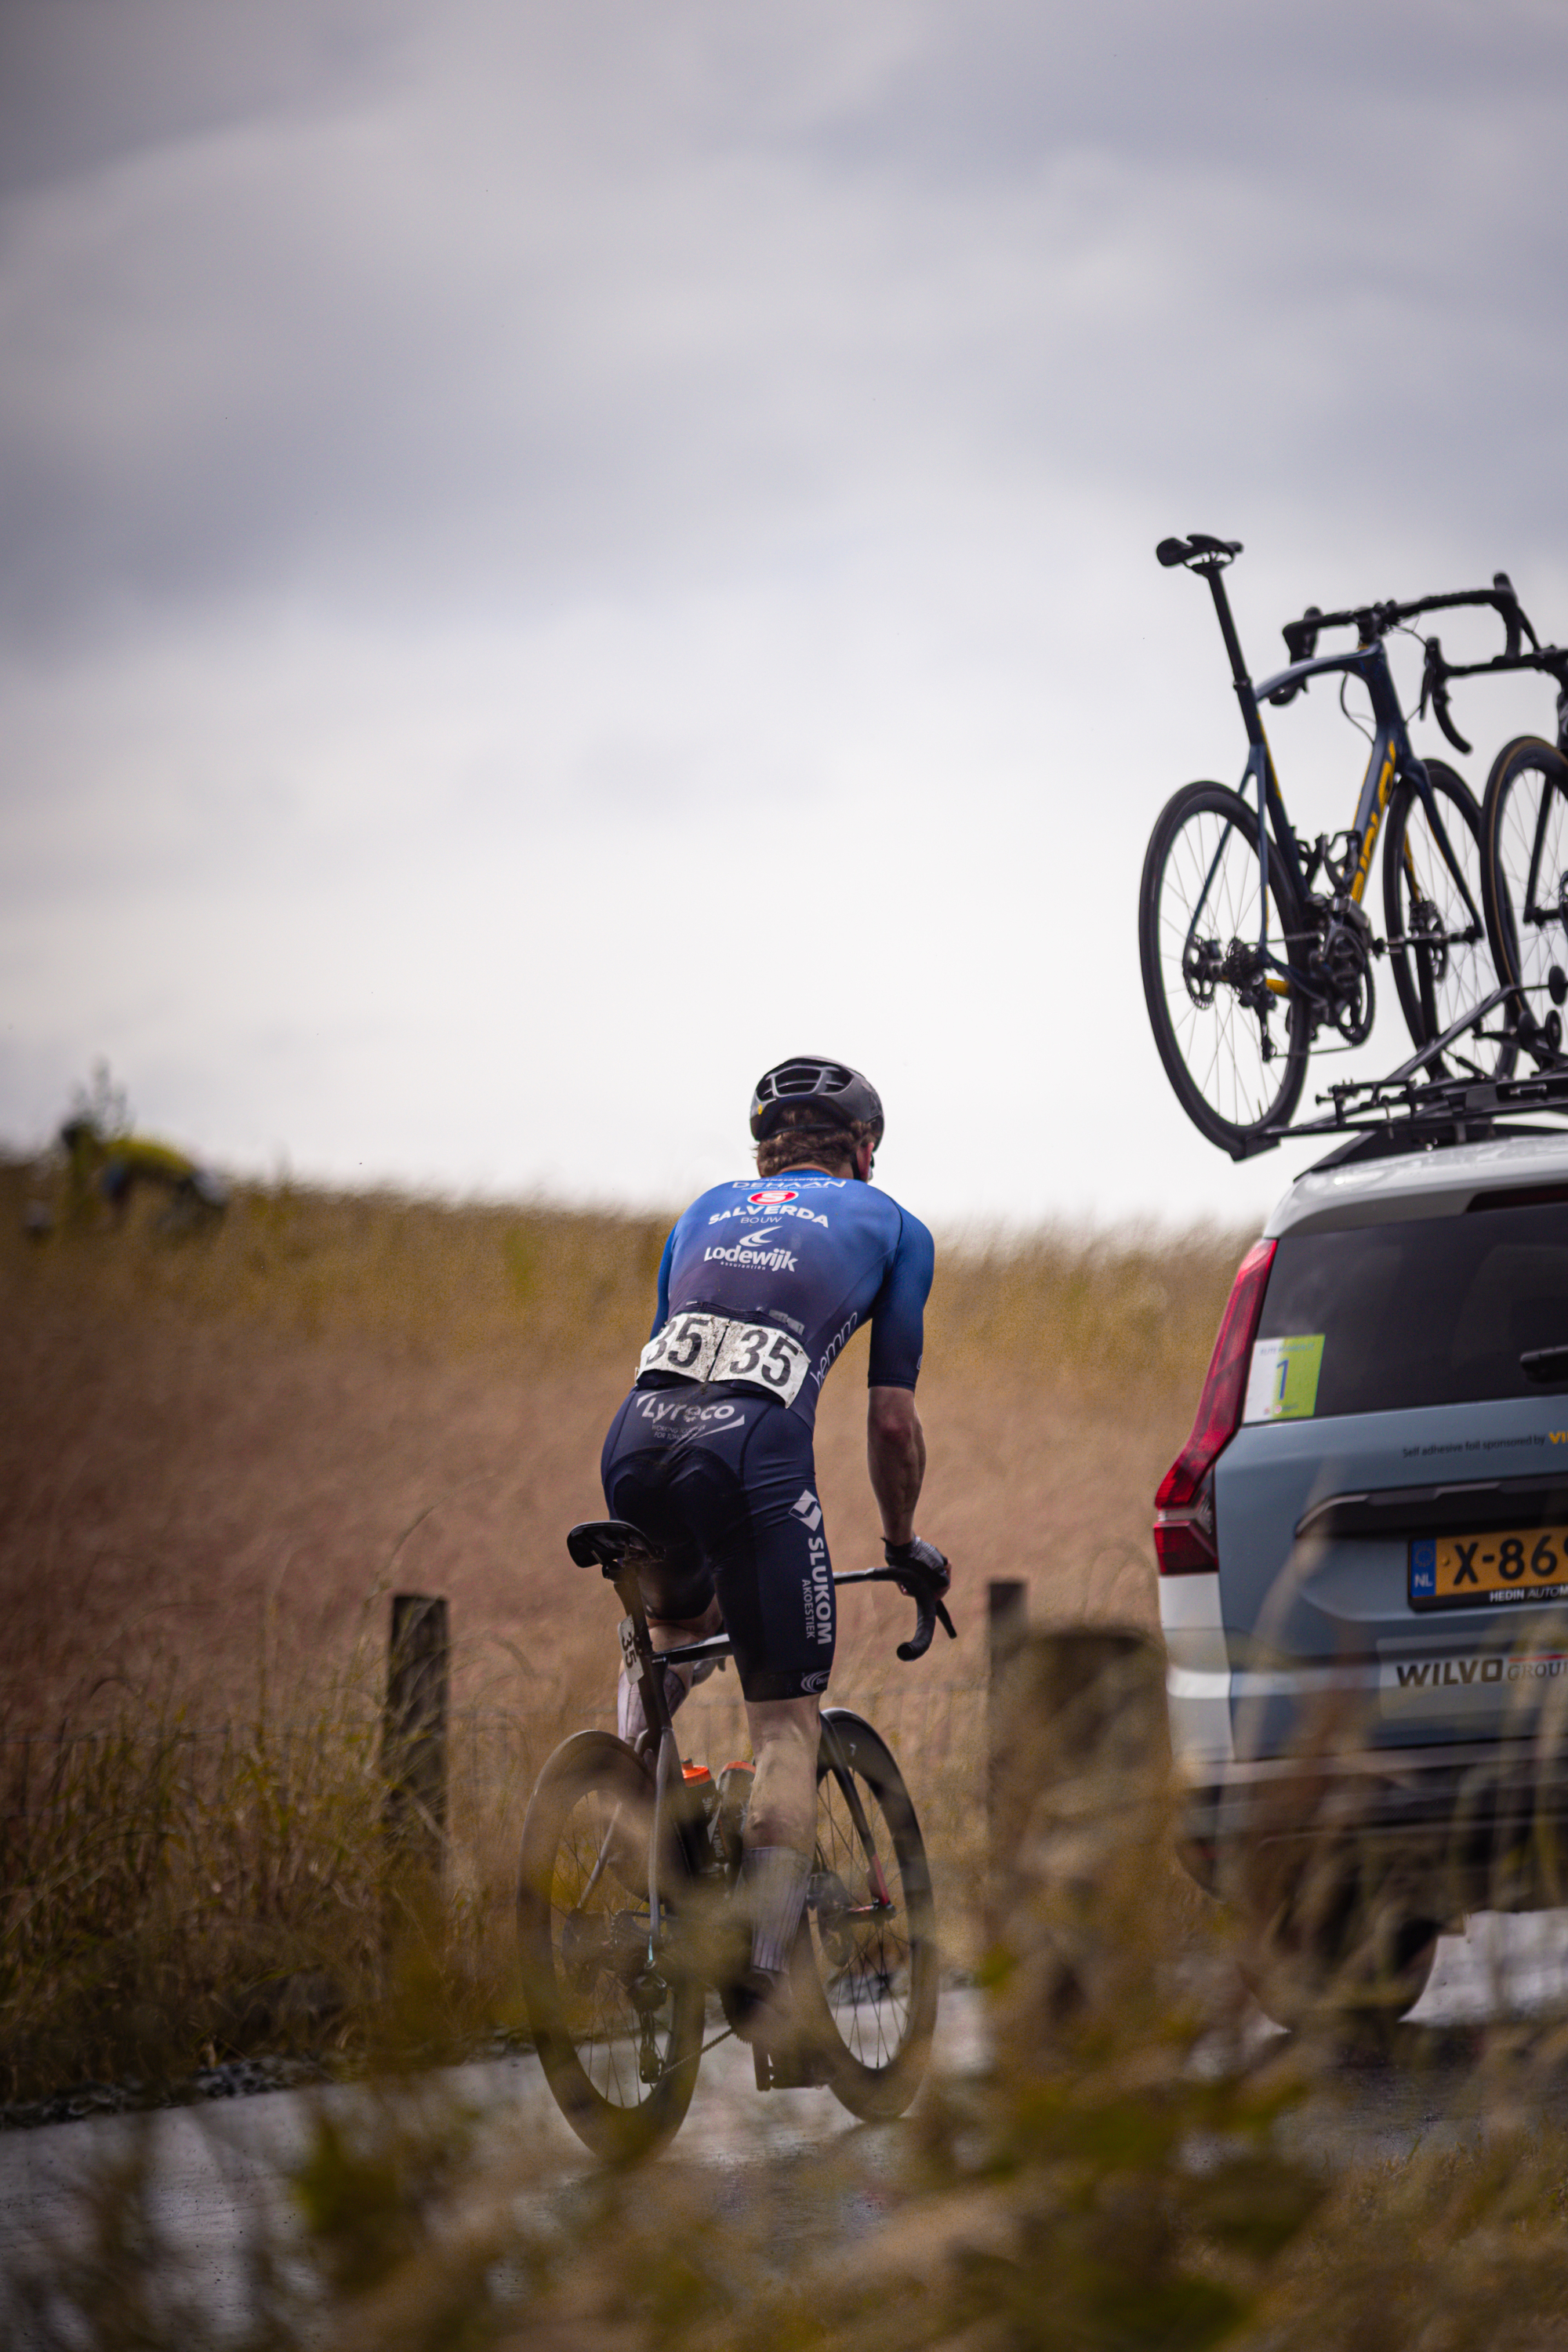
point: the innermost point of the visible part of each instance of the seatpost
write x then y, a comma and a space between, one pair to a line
642, 1662
637, 1650
1257, 760
1214, 574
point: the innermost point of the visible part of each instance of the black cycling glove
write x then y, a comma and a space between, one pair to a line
917, 1553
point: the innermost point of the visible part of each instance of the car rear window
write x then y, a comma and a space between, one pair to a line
1436, 1312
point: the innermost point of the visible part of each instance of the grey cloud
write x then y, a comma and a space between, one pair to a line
85, 83
520, 304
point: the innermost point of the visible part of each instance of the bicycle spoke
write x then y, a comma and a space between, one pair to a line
1451, 957
866, 1959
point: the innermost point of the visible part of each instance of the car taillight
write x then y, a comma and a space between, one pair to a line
1183, 1507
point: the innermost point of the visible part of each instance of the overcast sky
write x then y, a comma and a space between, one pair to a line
553, 555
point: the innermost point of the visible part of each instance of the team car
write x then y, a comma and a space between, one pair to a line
1363, 1555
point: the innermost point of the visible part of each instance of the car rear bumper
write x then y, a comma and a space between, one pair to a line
1478, 1827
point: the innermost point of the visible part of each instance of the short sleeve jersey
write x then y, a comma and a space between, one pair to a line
811, 1254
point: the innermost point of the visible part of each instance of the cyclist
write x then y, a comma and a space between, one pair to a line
113, 1165
761, 1286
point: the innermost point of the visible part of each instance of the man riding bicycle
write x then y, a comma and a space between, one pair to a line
760, 1288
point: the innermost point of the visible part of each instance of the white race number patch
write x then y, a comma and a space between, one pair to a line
712, 1348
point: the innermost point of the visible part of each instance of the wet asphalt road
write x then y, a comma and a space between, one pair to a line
220, 2170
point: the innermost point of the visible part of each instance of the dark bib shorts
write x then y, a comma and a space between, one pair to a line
721, 1480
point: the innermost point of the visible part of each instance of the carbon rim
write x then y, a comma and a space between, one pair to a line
1528, 827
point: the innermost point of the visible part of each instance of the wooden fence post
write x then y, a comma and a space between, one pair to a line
413, 1727
1007, 1625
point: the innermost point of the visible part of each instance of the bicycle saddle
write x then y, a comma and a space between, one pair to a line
605, 1542
1196, 547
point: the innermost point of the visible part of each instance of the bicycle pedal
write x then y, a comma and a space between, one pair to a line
787, 2069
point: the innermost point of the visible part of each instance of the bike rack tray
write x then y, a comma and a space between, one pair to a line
1413, 1115
1412, 1110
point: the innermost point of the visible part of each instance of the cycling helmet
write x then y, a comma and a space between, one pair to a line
839, 1093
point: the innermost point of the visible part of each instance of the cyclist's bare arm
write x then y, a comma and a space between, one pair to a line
896, 1458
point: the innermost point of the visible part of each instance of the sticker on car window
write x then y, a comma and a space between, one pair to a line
1283, 1382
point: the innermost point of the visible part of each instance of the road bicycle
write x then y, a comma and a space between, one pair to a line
1524, 848
1524, 820
627, 1914
1245, 964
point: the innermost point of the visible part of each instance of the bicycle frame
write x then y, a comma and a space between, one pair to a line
642, 1659
1393, 761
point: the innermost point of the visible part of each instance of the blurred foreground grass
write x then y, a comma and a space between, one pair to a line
1130, 2168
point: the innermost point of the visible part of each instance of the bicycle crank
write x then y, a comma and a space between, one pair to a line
1341, 965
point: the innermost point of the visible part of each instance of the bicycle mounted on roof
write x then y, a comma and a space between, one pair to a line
1245, 962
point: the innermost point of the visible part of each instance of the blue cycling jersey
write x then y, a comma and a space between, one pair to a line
811, 1256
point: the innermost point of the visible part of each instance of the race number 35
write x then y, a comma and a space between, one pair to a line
763, 1355
680, 1346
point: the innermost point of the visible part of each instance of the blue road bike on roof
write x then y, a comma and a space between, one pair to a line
1256, 950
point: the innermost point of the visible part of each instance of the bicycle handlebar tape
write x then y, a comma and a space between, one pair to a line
919, 1640
925, 1576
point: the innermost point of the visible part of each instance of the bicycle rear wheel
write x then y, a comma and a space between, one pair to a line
618, 2036
1232, 1033
1524, 864
1449, 967
865, 1962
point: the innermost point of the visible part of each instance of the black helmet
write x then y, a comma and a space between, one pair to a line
839, 1093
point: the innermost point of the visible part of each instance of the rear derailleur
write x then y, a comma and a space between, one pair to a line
1241, 966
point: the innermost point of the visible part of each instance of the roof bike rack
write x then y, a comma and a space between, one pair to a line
1412, 1109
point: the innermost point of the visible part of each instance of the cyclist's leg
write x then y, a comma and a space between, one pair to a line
675, 1613
785, 1736
776, 1849
775, 1580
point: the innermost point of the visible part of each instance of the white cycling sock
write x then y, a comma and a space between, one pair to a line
775, 1879
630, 1721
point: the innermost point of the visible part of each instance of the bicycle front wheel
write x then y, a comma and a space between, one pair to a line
1524, 864
1232, 1032
618, 2032
865, 1962
1433, 904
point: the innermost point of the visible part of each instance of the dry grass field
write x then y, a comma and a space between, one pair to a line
220, 1452
217, 1454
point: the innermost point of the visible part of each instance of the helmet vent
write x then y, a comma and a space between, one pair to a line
811, 1078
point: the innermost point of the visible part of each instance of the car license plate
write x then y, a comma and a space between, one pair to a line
1488, 1570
